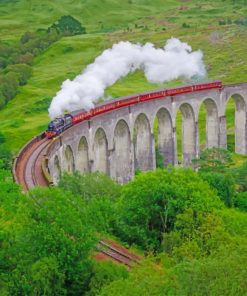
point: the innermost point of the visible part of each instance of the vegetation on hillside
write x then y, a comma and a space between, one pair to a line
194, 237
106, 23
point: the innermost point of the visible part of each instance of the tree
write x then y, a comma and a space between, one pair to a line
241, 201
214, 159
90, 185
47, 244
223, 183
151, 202
103, 274
9, 85
241, 176
23, 71
68, 25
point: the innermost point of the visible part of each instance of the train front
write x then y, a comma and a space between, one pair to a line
51, 130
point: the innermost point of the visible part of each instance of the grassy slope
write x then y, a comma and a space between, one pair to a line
107, 22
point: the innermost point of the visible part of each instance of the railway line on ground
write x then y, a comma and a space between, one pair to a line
27, 171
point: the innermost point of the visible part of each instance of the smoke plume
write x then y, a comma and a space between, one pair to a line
175, 60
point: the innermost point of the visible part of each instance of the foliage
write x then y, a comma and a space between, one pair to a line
24, 72
104, 273
214, 159
241, 176
5, 158
46, 243
223, 183
151, 202
159, 159
241, 201
195, 235
68, 25
99, 192
90, 185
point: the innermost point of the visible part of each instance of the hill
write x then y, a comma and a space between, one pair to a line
216, 27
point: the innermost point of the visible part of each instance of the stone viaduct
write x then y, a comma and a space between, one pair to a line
122, 141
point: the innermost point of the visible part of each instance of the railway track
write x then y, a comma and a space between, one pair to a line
27, 169
118, 253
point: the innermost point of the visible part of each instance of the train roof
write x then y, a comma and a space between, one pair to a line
150, 92
73, 113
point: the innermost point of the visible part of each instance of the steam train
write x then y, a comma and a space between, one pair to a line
58, 125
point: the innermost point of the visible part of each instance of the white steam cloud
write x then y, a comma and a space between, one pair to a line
175, 60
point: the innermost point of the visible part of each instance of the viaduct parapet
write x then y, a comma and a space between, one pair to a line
122, 141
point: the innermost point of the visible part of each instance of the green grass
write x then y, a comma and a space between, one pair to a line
108, 22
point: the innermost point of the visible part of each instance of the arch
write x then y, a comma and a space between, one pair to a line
82, 162
142, 144
239, 123
57, 170
212, 123
165, 141
100, 148
122, 152
189, 134
69, 165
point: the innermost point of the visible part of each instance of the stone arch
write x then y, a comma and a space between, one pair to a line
189, 133
212, 123
122, 159
239, 124
82, 163
69, 165
165, 136
143, 144
57, 170
100, 148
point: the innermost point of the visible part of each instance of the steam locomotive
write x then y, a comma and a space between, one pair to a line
58, 125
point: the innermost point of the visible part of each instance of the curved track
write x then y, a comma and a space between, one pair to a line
28, 164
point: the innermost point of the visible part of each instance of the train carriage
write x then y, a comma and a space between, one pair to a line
58, 125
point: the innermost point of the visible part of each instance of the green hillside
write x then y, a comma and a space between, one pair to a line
216, 27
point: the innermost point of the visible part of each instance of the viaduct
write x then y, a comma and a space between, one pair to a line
122, 141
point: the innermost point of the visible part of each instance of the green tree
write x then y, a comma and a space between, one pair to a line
241, 176
90, 185
214, 159
68, 25
223, 183
103, 274
9, 85
23, 71
241, 201
47, 243
151, 202
47, 278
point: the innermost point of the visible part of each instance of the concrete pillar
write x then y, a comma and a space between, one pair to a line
197, 141
82, 156
153, 154
143, 143
165, 140
175, 150
240, 125
101, 154
120, 156
222, 132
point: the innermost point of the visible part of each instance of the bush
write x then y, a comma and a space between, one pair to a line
24, 72
224, 185
68, 25
90, 185
241, 201
9, 85
241, 176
